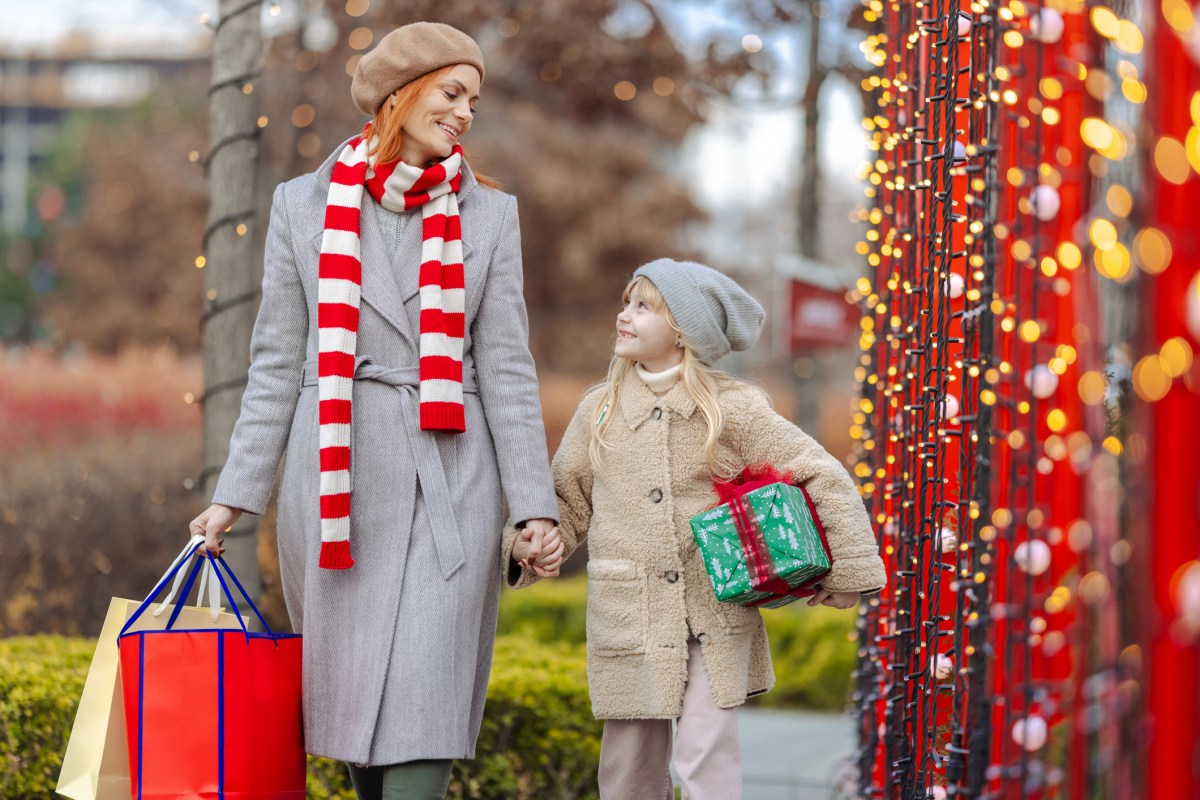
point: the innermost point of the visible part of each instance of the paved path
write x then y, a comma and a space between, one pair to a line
792, 755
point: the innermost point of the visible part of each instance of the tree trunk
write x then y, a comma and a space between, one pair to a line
230, 276
810, 171
808, 391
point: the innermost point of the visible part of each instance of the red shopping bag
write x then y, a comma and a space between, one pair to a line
212, 713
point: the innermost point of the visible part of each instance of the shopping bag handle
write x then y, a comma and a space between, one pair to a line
245, 595
187, 588
202, 566
211, 563
206, 580
176, 565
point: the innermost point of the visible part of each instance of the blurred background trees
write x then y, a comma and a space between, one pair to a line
583, 111
598, 115
586, 113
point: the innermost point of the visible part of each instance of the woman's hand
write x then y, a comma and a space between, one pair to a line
539, 548
824, 597
212, 524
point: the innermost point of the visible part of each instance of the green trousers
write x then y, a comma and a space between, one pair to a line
412, 780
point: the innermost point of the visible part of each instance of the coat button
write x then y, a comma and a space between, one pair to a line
671, 576
656, 413
702, 638
656, 496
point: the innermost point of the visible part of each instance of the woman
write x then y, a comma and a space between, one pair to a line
390, 358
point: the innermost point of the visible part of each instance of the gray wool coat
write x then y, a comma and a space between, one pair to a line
397, 649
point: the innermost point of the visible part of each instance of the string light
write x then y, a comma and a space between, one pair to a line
975, 199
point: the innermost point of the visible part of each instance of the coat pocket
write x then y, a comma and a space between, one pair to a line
617, 607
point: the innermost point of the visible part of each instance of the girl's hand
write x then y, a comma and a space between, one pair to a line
539, 548
212, 524
550, 561
824, 597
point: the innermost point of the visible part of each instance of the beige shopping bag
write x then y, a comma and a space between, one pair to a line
96, 763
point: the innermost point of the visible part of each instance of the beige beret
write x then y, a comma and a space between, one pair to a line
406, 54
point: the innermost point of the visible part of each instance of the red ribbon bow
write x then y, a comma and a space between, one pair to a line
764, 577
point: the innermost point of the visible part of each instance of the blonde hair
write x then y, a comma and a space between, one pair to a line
388, 123
702, 382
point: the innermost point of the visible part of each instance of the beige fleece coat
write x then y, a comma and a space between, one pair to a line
647, 587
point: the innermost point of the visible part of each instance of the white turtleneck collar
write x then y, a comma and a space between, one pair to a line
660, 382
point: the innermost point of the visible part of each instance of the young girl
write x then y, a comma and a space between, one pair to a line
636, 463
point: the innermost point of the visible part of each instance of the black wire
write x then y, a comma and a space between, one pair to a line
222, 306
242, 9
223, 386
228, 219
252, 135
236, 80
906, 629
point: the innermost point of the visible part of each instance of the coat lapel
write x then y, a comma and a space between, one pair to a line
410, 280
383, 276
389, 281
406, 268
380, 288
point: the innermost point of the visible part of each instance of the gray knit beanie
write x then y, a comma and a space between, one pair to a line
714, 313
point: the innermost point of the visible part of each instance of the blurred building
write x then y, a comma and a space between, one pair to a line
104, 68
816, 331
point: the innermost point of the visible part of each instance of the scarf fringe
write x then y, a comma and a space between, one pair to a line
447, 417
336, 555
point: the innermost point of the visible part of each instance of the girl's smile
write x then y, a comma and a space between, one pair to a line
644, 335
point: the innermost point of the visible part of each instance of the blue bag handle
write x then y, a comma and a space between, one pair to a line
220, 560
162, 584
195, 571
187, 589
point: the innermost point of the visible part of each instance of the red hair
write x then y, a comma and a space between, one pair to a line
389, 121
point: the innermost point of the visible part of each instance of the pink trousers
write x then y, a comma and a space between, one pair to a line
636, 754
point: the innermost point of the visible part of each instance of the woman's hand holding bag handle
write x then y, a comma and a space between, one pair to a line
208, 579
211, 524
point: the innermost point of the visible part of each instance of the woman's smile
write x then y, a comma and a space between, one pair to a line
441, 117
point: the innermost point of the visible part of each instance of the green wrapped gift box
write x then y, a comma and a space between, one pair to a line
791, 534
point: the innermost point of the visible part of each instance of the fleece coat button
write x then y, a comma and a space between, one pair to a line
656, 496
702, 638
656, 413
671, 577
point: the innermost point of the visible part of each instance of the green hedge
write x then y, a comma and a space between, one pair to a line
538, 739
813, 649
41, 679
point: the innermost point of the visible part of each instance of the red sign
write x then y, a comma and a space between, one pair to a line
821, 317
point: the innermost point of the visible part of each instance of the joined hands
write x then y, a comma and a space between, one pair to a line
539, 548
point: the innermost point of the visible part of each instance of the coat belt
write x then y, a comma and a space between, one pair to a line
447, 538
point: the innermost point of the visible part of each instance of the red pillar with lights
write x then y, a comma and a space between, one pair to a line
1172, 424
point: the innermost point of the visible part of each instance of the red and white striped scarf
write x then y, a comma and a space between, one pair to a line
398, 187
